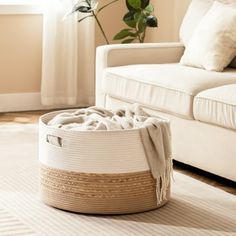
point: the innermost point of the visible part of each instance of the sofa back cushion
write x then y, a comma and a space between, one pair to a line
197, 9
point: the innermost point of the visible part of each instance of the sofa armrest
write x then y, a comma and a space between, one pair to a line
128, 54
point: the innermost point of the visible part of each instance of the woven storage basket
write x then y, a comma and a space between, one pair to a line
99, 172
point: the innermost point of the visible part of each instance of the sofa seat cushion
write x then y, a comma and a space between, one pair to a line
217, 106
166, 87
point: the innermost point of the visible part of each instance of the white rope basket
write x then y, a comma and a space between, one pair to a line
99, 172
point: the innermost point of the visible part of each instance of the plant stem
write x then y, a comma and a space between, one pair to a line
107, 5
138, 35
144, 35
84, 18
100, 26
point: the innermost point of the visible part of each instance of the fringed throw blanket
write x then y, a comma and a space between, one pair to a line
154, 131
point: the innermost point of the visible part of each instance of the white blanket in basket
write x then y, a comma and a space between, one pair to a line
154, 131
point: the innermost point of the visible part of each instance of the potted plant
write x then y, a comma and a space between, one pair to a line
137, 19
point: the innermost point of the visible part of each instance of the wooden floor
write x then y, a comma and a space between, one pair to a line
223, 184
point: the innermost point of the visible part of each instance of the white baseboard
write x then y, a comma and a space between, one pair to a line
28, 102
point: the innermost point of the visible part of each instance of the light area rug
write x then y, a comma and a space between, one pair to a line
195, 209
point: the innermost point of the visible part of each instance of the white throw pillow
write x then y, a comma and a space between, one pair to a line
196, 10
213, 43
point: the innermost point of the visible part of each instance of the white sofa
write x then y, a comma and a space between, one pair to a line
200, 104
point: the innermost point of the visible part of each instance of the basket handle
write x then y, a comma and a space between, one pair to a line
54, 140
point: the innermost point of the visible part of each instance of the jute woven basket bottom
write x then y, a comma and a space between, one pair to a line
99, 193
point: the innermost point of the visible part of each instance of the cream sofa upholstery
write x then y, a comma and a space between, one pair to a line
200, 104
217, 106
167, 87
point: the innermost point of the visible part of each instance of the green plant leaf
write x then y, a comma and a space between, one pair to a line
149, 8
151, 21
144, 3
122, 34
131, 23
137, 16
129, 16
84, 9
136, 4
130, 40
141, 25
130, 8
